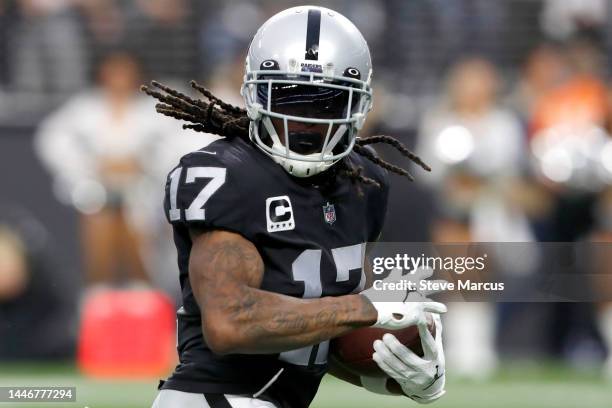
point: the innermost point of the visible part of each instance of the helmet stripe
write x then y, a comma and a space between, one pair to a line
313, 30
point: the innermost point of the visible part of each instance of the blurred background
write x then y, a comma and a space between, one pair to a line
510, 102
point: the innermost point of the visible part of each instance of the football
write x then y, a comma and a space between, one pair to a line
354, 350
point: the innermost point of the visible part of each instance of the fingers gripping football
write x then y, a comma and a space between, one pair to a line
421, 378
397, 315
401, 308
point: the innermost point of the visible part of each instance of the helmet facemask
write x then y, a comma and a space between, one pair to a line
305, 121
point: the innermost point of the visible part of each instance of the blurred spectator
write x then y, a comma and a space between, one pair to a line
47, 51
568, 153
475, 149
567, 127
544, 70
581, 100
96, 146
36, 319
109, 153
105, 23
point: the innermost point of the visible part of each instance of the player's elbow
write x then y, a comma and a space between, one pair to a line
221, 337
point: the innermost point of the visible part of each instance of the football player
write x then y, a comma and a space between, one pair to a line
270, 224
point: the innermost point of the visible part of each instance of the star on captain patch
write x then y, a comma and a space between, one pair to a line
329, 213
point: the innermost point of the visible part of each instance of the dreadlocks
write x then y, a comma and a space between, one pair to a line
213, 115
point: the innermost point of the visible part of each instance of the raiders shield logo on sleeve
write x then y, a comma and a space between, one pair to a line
329, 213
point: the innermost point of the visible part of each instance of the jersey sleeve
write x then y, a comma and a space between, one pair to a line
204, 190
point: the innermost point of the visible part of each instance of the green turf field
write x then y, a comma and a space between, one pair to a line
520, 386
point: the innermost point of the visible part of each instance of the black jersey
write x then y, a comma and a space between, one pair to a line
310, 236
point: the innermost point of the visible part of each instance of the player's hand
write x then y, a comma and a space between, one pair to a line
398, 315
421, 378
400, 308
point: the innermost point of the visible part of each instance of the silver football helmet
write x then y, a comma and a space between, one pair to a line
307, 68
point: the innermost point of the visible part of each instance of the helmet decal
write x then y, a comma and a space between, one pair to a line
313, 31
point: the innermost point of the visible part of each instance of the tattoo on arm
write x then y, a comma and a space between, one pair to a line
226, 272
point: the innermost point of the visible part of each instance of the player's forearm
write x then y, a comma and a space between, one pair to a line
225, 273
263, 322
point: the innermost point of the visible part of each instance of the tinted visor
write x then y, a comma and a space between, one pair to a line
308, 101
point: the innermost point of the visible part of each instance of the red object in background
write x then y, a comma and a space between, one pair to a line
127, 333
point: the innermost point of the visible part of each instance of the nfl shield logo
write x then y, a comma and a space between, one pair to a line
329, 213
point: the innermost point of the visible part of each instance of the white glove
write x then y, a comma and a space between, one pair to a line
400, 308
398, 315
421, 379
